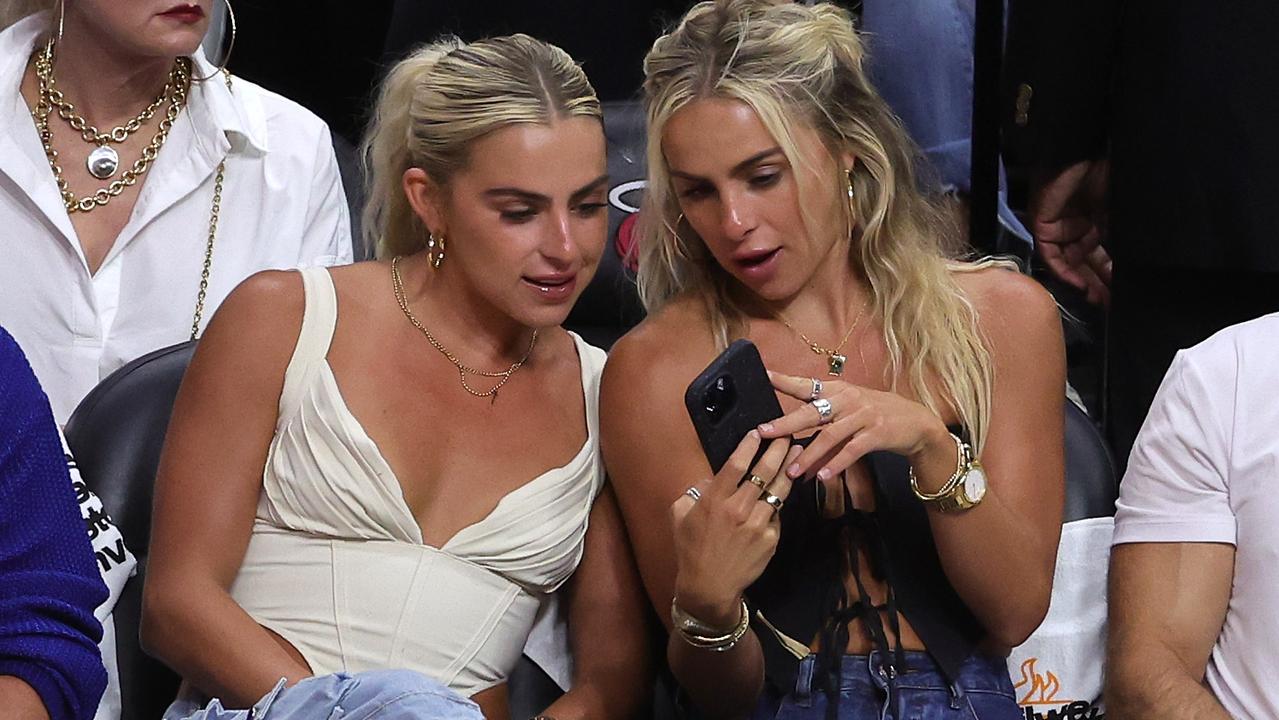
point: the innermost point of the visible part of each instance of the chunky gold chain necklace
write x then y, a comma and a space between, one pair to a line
180, 82
835, 359
462, 370
104, 160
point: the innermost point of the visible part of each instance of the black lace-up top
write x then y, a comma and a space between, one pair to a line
802, 593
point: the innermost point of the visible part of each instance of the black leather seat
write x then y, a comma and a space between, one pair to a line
609, 306
1092, 484
116, 434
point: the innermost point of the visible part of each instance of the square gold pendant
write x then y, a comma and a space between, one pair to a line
837, 364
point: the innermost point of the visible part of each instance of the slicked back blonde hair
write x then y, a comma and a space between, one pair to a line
445, 95
799, 63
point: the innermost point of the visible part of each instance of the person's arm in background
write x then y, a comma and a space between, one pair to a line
50, 666
1167, 604
1059, 77
1172, 568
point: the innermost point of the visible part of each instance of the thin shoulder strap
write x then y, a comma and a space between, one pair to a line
319, 318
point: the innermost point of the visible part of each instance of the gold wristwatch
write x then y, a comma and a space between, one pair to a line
964, 489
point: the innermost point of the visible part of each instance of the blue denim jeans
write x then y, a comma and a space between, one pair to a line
372, 695
983, 691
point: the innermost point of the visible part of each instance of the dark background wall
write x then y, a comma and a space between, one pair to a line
328, 54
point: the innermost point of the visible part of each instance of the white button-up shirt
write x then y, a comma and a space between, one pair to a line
282, 207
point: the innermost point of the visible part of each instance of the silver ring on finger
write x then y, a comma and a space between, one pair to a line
824, 410
773, 501
816, 392
694, 493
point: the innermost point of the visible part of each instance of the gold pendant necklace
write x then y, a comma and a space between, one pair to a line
835, 359
103, 161
50, 98
462, 370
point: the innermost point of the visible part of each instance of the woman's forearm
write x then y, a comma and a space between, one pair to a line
721, 684
998, 561
214, 644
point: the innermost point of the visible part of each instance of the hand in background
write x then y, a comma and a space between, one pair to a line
1068, 219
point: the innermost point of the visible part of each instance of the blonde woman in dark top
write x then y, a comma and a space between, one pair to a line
887, 569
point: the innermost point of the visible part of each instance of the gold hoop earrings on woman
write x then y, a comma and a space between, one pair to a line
852, 201
226, 57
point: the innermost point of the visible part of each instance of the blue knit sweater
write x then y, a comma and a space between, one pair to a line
49, 581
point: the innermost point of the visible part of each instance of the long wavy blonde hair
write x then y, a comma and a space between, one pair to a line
792, 64
439, 99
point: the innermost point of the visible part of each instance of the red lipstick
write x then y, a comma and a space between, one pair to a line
185, 13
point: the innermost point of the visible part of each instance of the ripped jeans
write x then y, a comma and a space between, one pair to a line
372, 695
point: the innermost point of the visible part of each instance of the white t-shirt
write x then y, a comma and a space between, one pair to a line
116, 564
282, 207
1205, 468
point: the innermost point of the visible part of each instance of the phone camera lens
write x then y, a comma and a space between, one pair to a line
719, 397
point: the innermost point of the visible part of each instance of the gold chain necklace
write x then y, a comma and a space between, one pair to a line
104, 160
462, 370
45, 105
179, 83
835, 360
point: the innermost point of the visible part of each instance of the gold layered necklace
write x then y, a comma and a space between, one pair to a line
462, 370
104, 160
835, 358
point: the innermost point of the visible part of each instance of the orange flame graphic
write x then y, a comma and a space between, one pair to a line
1042, 689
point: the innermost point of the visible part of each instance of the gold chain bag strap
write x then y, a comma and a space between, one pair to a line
213, 231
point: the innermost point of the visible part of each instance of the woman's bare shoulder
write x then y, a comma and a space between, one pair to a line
670, 345
1008, 300
1018, 319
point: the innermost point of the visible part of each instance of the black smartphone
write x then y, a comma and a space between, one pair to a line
729, 399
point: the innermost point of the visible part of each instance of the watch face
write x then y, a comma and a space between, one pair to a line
975, 484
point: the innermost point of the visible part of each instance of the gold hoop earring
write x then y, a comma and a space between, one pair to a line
852, 201
62, 17
226, 58
56, 42
435, 250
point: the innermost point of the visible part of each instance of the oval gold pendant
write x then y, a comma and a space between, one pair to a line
103, 162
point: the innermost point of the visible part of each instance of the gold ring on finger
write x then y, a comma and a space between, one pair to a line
757, 481
824, 410
816, 392
773, 501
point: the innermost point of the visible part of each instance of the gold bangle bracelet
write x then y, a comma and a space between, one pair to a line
700, 635
962, 462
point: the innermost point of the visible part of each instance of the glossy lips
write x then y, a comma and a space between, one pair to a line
757, 265
554, 286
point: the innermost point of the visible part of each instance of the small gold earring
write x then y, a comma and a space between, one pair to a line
850, 184
435, 250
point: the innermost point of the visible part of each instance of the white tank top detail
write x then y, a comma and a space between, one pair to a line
336, 563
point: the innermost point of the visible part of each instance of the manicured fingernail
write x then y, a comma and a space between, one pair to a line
793, 471
754, 434
823, 474
766, 428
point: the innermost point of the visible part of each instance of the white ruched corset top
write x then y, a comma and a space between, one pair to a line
336, 563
